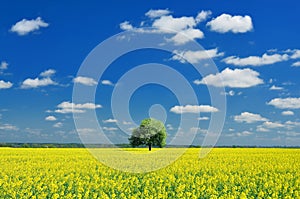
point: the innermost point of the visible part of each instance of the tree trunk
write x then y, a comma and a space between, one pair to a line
149, 145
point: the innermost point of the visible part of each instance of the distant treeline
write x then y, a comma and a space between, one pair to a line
42, 145
61, 145
79, 145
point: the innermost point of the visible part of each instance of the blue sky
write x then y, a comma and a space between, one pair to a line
254, 44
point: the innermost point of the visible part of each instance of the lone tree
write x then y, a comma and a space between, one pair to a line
151, 132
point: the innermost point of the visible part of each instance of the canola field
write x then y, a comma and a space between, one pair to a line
224, 173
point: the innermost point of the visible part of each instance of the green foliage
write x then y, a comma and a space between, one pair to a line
151, 132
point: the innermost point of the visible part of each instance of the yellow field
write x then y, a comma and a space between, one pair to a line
224, 173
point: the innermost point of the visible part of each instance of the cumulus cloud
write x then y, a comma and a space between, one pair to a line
48, 73
3, 65
296, 64
50, 118
45, 80
296, 54
5, 85
86, 130
109, 128
110, 120
203, 16
227, 23
68, 107
266, 126
237, 78
187, 35
260, 128
240, 134
85, 81
265, 59
157, 13
290, 125
169, 24
169, 127
276, 88
285, 103
126, 123
193, 109
244, 133
26, 26
286, 113
107, 82
8, 127
249, 118
230, 93
183, 29
194, 57
272, 125
202, 118
58, 125
37, 82
126, 26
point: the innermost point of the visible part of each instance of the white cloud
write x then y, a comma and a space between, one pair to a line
296, 64
196, 56
37, 82
58, 125
266, 126
40, 82
249, 118
85, 81
69, 110
262, 129
203, 16
265, 59
237, 78
285, 103
292, 134
296, 54
227, 23
86, 130
48, 73
50, 118
5, 85
203, 118
187, 35
157, 13
107, 82
126, 123
169, 127
79, 106
109, 128
182, 28
193, 109
276, 88
8, 127
169, 24
244, 133
25, 26
110, 121
231, 93
68, 107
3, 65
126, 26
240, 134
272, 125
287, 113
290, 124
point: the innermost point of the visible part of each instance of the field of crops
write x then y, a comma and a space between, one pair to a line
224, 173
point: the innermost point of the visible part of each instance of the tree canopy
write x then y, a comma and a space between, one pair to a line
151, 132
